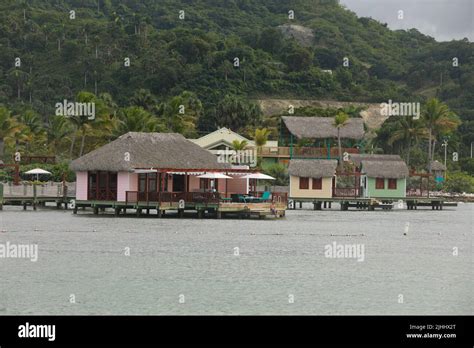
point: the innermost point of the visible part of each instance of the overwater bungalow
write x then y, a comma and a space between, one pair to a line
311, 178
161, 171
381, 176
311, 137
438, 169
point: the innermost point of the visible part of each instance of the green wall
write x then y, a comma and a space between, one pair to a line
399, 192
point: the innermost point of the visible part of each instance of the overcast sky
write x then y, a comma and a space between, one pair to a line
444, 20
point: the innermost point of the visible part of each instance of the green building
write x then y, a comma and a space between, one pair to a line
381, 176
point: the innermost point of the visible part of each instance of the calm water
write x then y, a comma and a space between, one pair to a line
84, 255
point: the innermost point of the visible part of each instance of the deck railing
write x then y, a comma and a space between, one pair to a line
305, 151
171, 197
280, 197
275, 197
346, 192
417, 193
189, 197
50, 189
25, 159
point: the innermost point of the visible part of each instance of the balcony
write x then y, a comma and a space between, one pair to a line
194, 197
305, 152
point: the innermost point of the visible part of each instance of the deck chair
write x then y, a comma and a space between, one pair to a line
265, 197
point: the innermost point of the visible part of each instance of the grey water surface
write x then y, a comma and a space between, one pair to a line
232, 266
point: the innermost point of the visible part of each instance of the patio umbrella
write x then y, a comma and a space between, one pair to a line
257, 176
37, 171
215, 175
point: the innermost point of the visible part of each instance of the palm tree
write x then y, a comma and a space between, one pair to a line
436, 116
340, 121
226, 68
135, 119
144, 98
58, 129
8, 129
409, 132
182, 120
260, 138
81, 123
239, 145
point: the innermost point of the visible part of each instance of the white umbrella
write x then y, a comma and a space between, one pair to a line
38, 171
257, 176
214, 175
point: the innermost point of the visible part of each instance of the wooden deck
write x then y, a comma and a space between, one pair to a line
216, 209
384, 203
37, 195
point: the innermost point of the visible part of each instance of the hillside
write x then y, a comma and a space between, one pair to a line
196, 50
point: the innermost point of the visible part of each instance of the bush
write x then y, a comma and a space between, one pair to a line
459, 182
467, 165
57, 171
279, 172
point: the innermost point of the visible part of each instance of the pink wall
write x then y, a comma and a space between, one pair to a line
129, 182
193, 183
237, 185
133, 180
234, 185
123, 184
81, 186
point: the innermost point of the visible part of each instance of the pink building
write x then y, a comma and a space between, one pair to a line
150, 166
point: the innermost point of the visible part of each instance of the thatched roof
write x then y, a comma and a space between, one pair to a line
385, 169
437, 166
312, 168
358, 158
147, 150
323, 127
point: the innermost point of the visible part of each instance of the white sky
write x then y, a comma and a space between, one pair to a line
444, 20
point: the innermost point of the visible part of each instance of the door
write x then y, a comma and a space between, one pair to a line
178, 183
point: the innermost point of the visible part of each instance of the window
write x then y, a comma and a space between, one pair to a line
317, 183
304, 183
379, 183
392, 184
142, 182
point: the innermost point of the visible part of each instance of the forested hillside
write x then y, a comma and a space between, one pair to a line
214, 56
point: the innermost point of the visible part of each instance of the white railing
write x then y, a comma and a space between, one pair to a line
50, 189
